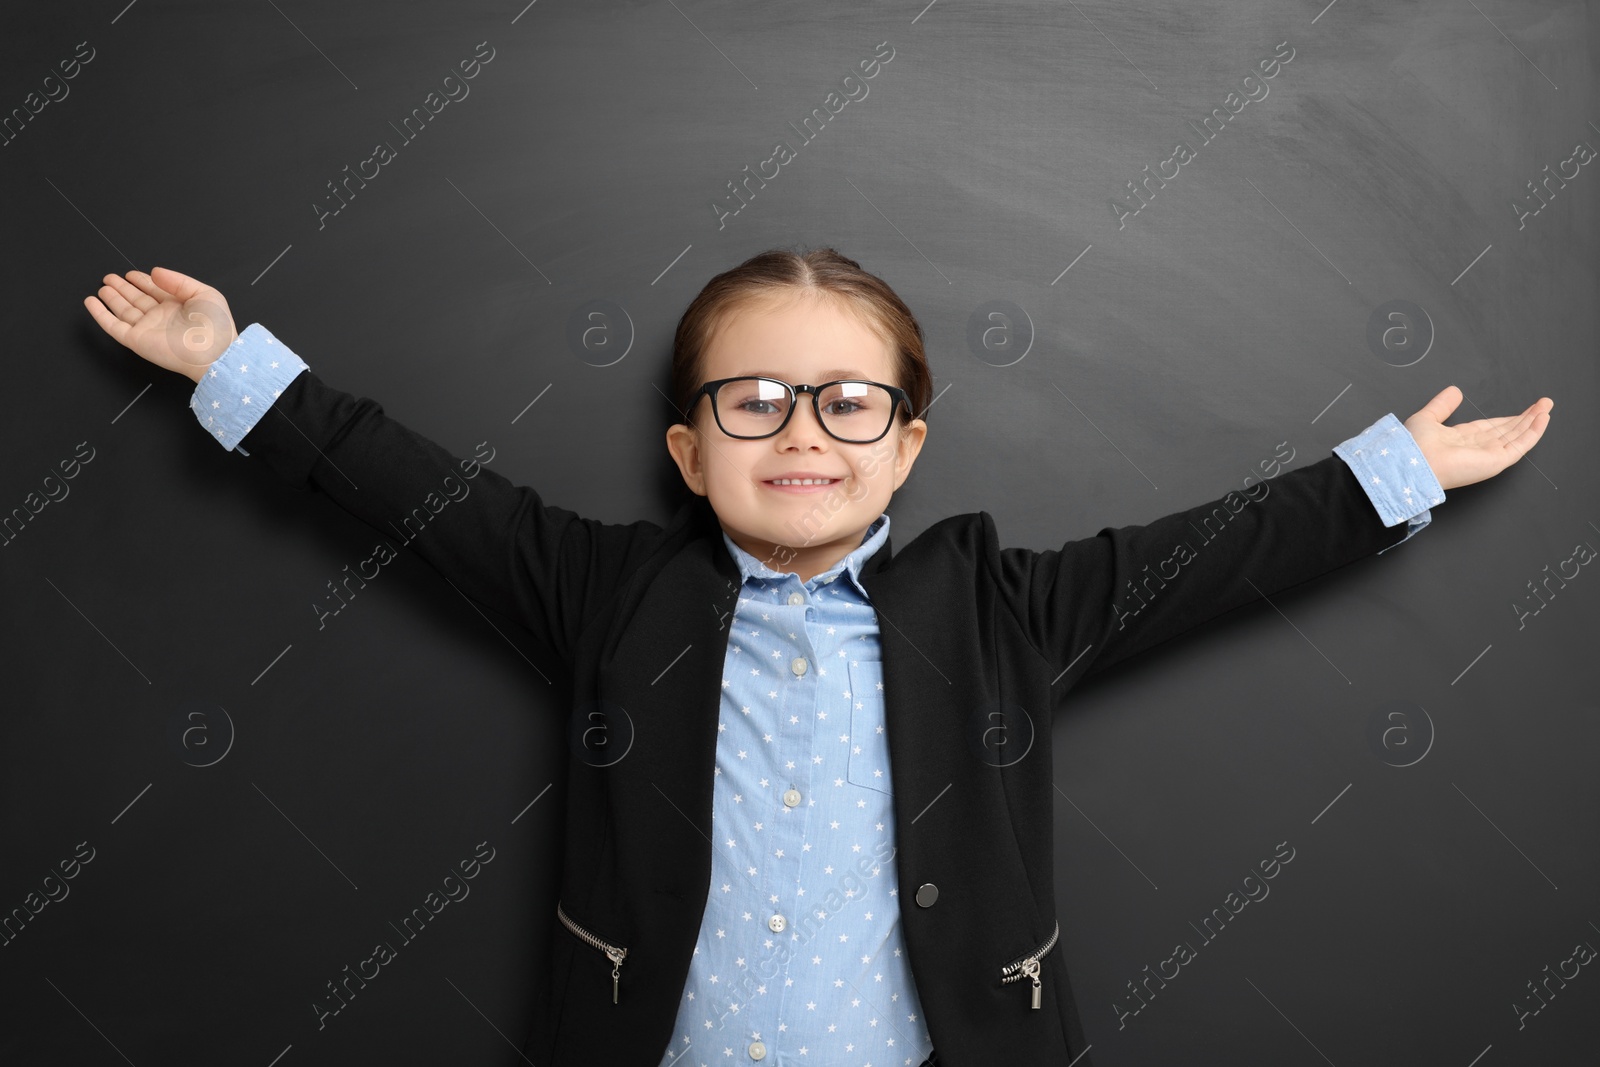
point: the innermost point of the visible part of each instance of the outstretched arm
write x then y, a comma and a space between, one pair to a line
500, 544
1099, 600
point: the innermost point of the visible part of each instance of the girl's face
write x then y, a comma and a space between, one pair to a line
804, 340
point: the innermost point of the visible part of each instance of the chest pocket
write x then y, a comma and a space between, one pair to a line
869, 731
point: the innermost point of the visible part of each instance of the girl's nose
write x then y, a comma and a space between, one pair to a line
803, 427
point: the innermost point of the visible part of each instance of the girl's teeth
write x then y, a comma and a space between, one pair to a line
802, 481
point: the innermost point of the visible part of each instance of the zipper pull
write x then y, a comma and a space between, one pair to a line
616, 975
1031, 969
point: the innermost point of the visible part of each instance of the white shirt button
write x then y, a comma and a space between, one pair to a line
791, 797
757, 1050
777, 923
798, 665
797, 598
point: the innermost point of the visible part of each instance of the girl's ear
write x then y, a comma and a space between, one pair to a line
912, 435
683, 442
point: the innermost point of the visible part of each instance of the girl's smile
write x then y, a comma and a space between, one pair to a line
803, 482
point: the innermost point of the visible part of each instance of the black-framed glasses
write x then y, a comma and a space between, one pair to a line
851, 409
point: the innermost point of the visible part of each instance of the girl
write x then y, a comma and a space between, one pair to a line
809, 815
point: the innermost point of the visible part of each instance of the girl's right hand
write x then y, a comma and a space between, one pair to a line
170, 319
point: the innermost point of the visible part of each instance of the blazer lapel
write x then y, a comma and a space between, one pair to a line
665, 671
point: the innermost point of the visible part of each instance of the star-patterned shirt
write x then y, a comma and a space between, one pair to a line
800, 957
1395, 474
242, 383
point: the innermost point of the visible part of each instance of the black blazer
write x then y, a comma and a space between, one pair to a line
968, 629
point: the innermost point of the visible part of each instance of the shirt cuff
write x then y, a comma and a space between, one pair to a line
1392, 469
239, 387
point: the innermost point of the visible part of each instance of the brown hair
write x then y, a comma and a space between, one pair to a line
780, 272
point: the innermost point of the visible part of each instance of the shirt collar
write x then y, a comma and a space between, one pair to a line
871, 541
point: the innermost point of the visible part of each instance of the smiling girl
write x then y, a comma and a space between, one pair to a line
820, 826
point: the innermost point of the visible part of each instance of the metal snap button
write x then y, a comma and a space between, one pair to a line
798, 665
791, 797
927, 893
757, 1050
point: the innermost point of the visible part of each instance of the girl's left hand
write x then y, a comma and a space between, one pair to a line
1472, 451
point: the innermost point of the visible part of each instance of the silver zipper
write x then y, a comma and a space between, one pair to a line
613, 953
1028, 966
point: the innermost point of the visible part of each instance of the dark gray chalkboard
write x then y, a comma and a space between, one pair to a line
1173, 317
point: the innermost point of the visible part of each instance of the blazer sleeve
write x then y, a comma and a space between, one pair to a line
1101, 599
542, 566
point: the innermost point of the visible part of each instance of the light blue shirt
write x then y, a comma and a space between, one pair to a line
800, 946
237, 389
1396, 476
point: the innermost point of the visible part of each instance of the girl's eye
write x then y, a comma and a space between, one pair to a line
749, 407
850, 407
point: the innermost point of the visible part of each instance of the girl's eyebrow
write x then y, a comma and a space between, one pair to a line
827, 375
